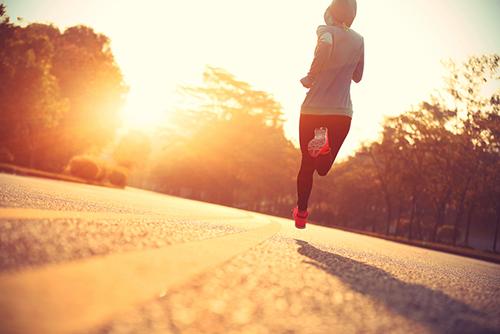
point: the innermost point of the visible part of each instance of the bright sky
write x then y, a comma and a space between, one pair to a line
160, 45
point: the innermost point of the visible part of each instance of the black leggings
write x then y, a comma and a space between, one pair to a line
338, 127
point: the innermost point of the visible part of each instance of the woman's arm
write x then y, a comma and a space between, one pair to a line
321, 55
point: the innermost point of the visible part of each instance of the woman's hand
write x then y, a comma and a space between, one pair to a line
307, 81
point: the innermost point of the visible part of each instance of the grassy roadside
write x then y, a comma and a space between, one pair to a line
17, 170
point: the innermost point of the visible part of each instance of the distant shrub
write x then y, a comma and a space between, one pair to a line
85, 167
5, 155
117, 176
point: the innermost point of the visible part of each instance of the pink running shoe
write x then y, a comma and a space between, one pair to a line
300, 218
319, 144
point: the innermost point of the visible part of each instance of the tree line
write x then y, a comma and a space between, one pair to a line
435, 173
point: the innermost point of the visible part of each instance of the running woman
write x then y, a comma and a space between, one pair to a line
325, 116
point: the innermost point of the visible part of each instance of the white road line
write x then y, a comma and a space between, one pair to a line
80, 295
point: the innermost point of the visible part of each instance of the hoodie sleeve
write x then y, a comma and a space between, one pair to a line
358, 71
321, 54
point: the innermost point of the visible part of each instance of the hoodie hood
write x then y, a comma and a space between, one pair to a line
341, 12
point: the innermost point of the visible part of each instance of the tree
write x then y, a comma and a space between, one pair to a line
230, 148
60, 93
90, 79
30, 100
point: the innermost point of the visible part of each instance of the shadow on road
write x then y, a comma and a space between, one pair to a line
431, 308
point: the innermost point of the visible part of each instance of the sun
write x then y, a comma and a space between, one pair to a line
144, 114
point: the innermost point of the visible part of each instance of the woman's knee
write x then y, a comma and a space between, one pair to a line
324, 164
323, 172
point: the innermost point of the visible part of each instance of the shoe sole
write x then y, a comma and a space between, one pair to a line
315, 148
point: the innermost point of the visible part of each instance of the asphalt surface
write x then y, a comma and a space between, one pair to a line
316, 280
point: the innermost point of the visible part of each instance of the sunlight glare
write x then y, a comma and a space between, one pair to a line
144, 114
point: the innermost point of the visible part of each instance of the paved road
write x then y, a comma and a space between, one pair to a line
104, 260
